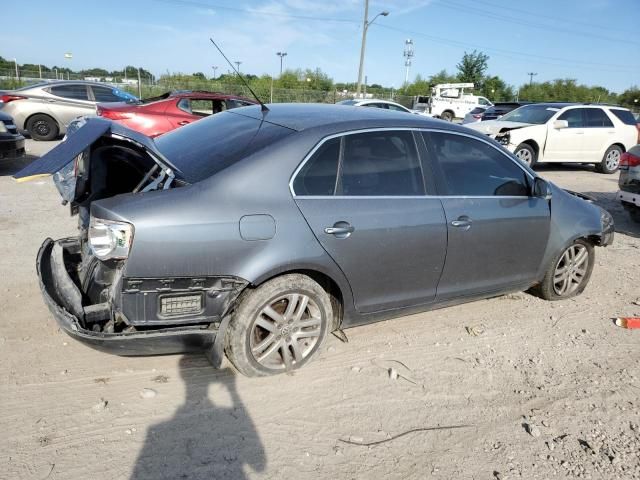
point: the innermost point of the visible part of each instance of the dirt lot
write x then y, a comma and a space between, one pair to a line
543, 390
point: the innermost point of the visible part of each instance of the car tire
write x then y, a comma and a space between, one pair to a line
447, 116
278, 326
42, 127
526, 154
610, 161
559, 284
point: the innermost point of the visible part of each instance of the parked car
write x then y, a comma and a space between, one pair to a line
44, 110
565, 132
474, 115
500, 109
260, 232
11, 142
158, 115
383, 104
629, 182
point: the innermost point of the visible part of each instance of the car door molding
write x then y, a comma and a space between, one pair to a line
340, 135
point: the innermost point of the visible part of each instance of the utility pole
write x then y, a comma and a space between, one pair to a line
281, 55
15, 60
40, 71
408, 55
238, 65
531, 75
139, 84
365, 27
214, 71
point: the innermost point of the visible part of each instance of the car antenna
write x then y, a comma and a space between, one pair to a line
263, 107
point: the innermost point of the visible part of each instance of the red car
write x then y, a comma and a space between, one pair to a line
157, 115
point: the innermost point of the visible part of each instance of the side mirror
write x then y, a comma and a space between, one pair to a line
560, 124
541, 188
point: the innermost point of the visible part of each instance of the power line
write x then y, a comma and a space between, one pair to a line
458, 7
190, 3
512, 54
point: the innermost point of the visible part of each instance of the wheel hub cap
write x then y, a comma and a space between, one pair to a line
613, 159
286, 331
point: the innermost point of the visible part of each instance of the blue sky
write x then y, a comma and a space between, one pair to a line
594, 41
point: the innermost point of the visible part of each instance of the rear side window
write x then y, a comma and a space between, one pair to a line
471, 167
478, 110
76, 92
318, 175
573, 117
104, 94
380, 164
625, 116
597, 118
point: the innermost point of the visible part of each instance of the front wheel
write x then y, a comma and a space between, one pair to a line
42, 127
526, 154
569, 273
279, 326
447, 116
610, 161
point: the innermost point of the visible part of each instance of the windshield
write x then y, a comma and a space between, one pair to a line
536, 114
216, 142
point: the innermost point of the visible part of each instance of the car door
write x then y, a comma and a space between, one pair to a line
69, 101
364, 197
497, 232
566, 144
599, 133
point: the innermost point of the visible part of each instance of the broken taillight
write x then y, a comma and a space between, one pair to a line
10, 98
114, 114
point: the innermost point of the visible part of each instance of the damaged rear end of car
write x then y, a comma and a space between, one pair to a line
84, 279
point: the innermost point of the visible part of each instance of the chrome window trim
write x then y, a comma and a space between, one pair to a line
499, 149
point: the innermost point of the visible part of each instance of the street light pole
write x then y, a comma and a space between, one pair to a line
365, 27
531, 75
238, 65
281, 55
214, 71
15, 61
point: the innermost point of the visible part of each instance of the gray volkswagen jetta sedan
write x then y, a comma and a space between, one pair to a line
255, 233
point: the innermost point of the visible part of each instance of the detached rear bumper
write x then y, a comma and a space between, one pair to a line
64, 300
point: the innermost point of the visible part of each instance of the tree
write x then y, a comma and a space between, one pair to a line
496, 90
442, 77
630, 98
472, 67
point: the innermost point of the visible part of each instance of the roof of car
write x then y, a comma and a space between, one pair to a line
303, 116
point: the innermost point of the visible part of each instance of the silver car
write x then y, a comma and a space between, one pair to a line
474, 115
45, 110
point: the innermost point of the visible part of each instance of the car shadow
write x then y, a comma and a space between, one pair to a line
211, 436
14, 165
624, 224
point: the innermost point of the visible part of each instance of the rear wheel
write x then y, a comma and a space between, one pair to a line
447, 116
569, 273
526, 154
611, 160
279, 326
42, 127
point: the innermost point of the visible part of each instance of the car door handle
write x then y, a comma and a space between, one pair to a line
462, 222
340, 230
183, 122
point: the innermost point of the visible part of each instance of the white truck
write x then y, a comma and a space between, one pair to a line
449, 101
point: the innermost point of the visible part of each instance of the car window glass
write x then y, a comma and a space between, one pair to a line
573, 117
184, 104
318, 175
483, 101
625, 116
104, 94
375, 105
471, 167
597, 118
77, 92
396, 108
204, 107
380, 164
235, 103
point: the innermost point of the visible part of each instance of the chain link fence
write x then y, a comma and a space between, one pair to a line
150, 87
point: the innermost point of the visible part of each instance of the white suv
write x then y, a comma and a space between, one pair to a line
565, 132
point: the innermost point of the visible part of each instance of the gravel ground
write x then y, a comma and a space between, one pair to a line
538, 390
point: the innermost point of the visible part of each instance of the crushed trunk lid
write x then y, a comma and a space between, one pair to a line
91, 130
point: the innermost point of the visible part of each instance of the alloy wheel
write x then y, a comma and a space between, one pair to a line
612, 160
525, 156
571, 270
286, 331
